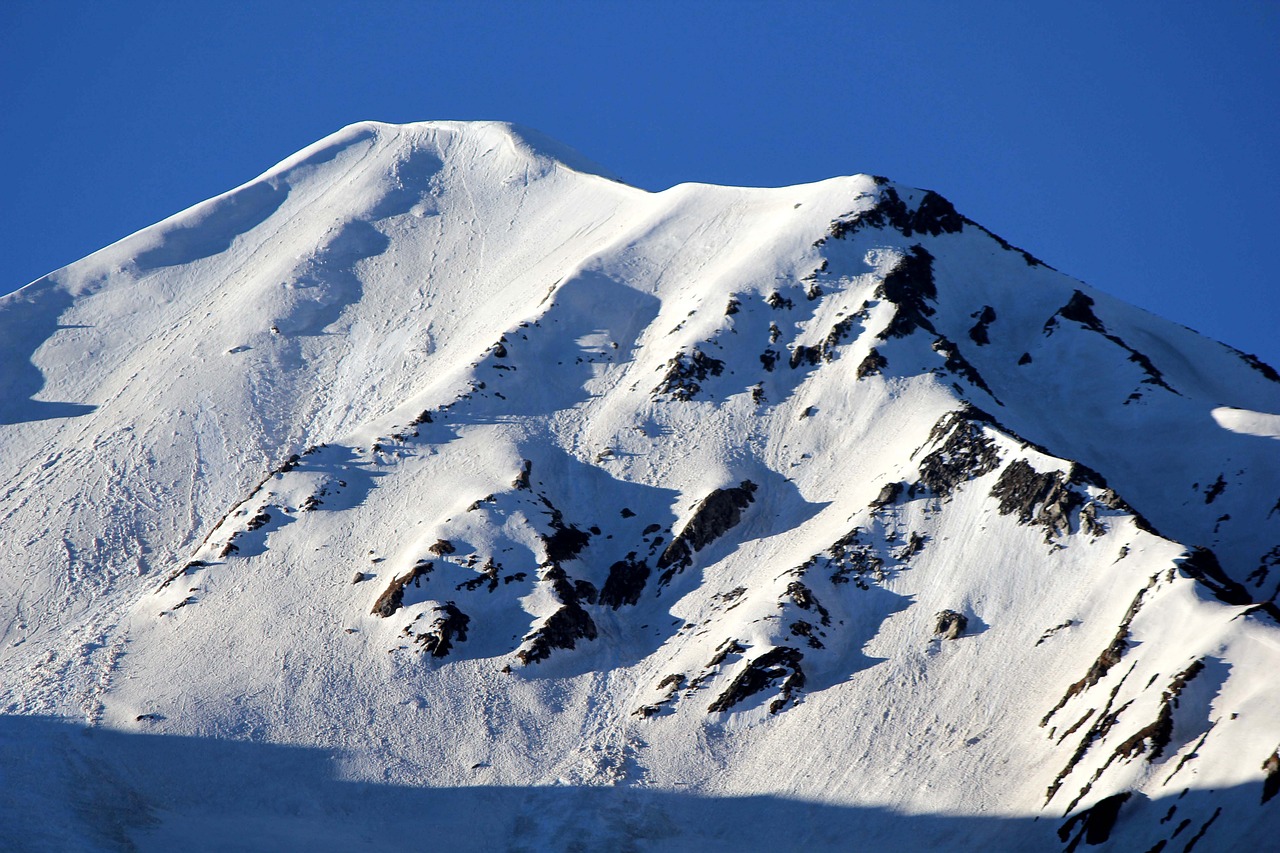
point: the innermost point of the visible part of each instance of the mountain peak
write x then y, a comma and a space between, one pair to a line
434, 448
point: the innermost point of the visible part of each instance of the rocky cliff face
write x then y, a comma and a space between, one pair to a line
821, 493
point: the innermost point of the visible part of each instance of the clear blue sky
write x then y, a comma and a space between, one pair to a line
1133, 145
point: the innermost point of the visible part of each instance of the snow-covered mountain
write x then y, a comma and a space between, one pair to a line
436, 486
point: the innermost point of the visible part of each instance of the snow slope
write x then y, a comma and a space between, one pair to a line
468, 489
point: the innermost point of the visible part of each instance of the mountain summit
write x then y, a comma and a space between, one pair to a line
438, 484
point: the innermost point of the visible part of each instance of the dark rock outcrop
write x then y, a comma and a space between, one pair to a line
1154, 737
561, 630
1271, 781
441, 548
522, 479
625, 582
950, 624
959, 365
872, 364
685, 373
934, 215
910, 287
715, 515
1202, 564
804, 598
979, 333
1044, 499
393, 596
1110, 656
1079, 309
779, 664
449, 626
889, 494
966, 451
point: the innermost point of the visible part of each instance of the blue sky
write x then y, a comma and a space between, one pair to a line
1131, 145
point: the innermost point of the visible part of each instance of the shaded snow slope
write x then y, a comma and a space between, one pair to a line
438, 451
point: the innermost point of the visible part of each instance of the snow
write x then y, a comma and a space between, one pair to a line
1245, 422
532, 305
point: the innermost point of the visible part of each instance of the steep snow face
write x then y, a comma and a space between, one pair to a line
438, 447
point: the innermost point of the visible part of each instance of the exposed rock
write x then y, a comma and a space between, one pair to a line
1259, 365
565, 590
1202, 564
733, 307
1055, 629
775, 300
441, 548
1089, 522
851, 559
560, 631
966, 453
1025, 358
836, 336
805, 355
585, 590
1269, 561
1271, 781
1096, 732
715, 515
393, 596
803, 629
626, 581
950, 624
1043, 499
914, 545
1153, 738
674, 681
1216, 488
909, 286
769, 358
1110, 656
488, 576
872, 364
684, 373
959, 365
933, 216
1080, 310
804, 598
522, 479
979, 334
781, 663
230, 547
889, 494
450, 625
728, 647
566, 541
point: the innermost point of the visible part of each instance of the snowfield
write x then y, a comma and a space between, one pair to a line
437, 487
